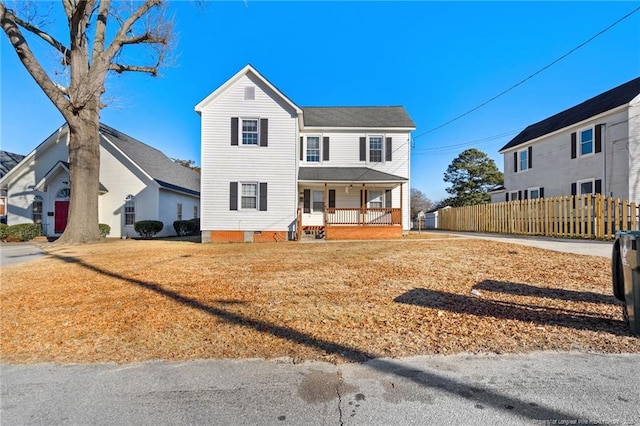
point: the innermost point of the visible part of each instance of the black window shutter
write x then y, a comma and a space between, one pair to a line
389, 152
387, 198
264, 132
519, 195
263, 197
574, 147
234, 130
233, 195
332, 198
526, 194
541, 192
598, 188
599, 138
325, 148
306, 201
515, 162
363, 149
506, 196
574, 188
530, 156
301, 148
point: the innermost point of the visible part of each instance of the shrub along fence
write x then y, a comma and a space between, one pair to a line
586, 216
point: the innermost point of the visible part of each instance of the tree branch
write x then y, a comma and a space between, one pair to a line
101, 29
120, 68
121, 35
144, 38
44, 36
26, 56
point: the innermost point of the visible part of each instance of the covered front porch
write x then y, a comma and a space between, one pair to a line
349, 203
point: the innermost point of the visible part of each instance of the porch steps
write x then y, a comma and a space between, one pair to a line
312, 233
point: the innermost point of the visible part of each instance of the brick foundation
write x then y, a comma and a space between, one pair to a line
362, 232
238, 236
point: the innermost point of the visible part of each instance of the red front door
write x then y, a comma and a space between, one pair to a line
61, 214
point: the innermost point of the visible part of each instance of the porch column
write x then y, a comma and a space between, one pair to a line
363, 200
325, 200
401, 215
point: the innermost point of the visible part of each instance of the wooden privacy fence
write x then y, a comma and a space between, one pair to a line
586, 216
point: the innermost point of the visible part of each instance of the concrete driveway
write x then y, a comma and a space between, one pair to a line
12, 253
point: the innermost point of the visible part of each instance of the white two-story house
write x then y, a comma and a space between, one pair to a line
593, 147
273, 171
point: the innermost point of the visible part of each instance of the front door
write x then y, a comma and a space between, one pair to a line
61, 214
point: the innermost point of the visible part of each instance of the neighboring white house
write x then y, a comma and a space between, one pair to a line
593, 147
137, 182
8, 160
271, 169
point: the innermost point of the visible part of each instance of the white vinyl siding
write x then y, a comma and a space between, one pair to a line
275, 164
555, 170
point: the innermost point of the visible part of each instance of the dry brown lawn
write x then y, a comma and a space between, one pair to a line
124, 301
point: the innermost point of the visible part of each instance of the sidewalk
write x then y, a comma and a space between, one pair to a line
585, 247
12, 253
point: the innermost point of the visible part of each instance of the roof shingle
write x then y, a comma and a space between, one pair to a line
376, 116
603, 102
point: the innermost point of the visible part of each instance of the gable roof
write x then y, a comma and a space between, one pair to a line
603, 102
372, 116
346, 174
64, 166
8, 160
167, 173
248, 69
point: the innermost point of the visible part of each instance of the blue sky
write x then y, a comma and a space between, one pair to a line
437, 59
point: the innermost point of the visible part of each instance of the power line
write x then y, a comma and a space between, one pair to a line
531, 76
468, 143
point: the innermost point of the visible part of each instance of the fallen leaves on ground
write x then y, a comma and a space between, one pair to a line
125, 301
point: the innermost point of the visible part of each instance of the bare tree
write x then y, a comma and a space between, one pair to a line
94, 49
419, 202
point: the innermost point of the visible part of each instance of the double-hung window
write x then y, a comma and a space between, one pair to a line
375, 149
249, 196
250, 131
318, 201
36, 209
130, 210
523, 157
313, 149
534, 193
585, 187
586, 142
376, 199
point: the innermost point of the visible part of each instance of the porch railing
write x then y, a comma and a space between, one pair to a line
369, 216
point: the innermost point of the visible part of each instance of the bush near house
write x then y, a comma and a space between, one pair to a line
184, 227
187, 227
104, 229
3, 231
20, 232
148, 228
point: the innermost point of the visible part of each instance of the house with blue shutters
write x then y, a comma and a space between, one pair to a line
592, 147
274, 171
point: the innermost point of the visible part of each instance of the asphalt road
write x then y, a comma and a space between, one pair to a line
542, 388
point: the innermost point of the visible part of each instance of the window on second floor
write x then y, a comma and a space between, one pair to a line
523, 159
586, 142
375, 149
250, 132
313, 149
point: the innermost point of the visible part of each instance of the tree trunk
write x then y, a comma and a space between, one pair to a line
84, 168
